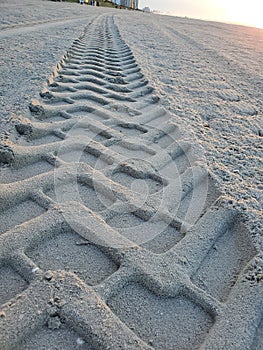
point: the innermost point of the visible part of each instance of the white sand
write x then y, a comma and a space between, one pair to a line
208, 74
211, 76
139, 252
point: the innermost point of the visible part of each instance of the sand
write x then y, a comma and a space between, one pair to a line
210, 76
131, 217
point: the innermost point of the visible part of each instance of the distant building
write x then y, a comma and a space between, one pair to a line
133, 4
126, 3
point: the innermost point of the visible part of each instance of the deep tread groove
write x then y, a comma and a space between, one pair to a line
107, 179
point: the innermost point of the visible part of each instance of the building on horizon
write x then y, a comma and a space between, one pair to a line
133, 4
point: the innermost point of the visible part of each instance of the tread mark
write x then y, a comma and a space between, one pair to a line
122, 201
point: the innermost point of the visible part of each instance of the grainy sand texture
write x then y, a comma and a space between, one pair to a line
130, 180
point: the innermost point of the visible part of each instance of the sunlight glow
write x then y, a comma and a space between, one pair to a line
242, 11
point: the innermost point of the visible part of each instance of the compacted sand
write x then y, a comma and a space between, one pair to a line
209, 74
131, 180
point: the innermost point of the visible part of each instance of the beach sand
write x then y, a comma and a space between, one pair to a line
131, 187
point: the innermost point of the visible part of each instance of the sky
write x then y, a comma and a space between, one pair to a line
247, 12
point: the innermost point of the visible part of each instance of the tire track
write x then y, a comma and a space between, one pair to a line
114, 233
